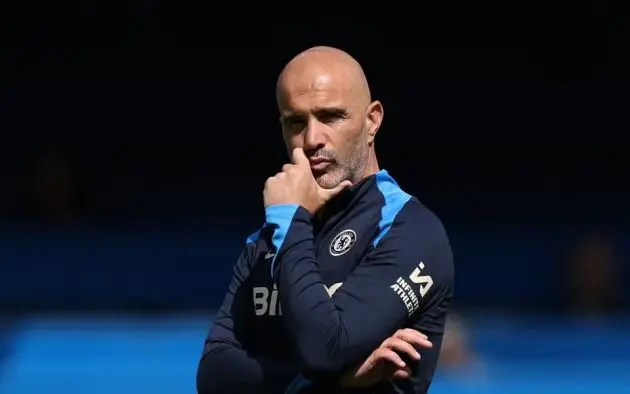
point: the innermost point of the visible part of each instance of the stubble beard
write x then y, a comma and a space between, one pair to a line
352, 167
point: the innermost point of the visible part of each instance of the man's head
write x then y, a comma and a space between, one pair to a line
326, 109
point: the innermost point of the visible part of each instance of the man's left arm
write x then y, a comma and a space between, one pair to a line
408, 271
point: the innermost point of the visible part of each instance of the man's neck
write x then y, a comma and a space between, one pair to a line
371, 167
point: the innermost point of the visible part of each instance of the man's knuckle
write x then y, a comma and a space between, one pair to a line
380, 352
400, 343
385, 353
388, 342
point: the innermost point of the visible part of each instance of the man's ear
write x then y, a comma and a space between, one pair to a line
374, 118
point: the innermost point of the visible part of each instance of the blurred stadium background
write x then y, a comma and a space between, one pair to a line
150, 134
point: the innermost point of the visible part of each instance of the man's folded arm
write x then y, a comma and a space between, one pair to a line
408, 269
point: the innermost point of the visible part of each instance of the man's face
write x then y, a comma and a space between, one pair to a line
321, 116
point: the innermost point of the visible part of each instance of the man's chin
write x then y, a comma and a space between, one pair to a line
327, 180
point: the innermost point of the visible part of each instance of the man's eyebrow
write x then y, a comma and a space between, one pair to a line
333, 110
336, 110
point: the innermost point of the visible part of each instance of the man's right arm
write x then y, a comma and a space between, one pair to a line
225, 366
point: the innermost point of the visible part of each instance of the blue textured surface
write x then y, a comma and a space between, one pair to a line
71, 355
75, 355
187, 269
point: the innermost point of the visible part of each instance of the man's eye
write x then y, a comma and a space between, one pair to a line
296, 123
337, 118
332, 117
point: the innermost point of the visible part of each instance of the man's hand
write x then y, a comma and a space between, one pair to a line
296, 185
385, 362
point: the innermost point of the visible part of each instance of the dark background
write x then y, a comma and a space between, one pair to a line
139, 136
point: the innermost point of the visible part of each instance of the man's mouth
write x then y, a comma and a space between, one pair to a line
319, 164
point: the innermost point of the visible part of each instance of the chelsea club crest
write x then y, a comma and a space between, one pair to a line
343, 242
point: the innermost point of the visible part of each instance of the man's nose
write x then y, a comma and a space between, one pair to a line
314, 135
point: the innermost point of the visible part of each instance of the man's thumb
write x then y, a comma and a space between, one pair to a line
330, 193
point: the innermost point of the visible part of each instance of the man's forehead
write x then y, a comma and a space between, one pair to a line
323, 90
318, 81
320, 75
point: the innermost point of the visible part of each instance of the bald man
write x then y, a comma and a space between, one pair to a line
332, 293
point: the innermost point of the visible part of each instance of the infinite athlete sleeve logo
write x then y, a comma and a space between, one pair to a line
406, 292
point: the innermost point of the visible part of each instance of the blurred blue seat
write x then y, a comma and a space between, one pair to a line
76, 355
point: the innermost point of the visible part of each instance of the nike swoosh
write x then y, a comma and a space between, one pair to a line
269, 255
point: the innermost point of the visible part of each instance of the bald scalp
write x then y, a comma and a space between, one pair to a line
324, 62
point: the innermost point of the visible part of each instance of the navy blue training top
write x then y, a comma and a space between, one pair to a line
312, 296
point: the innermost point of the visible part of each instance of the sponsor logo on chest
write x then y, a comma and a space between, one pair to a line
267, 302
